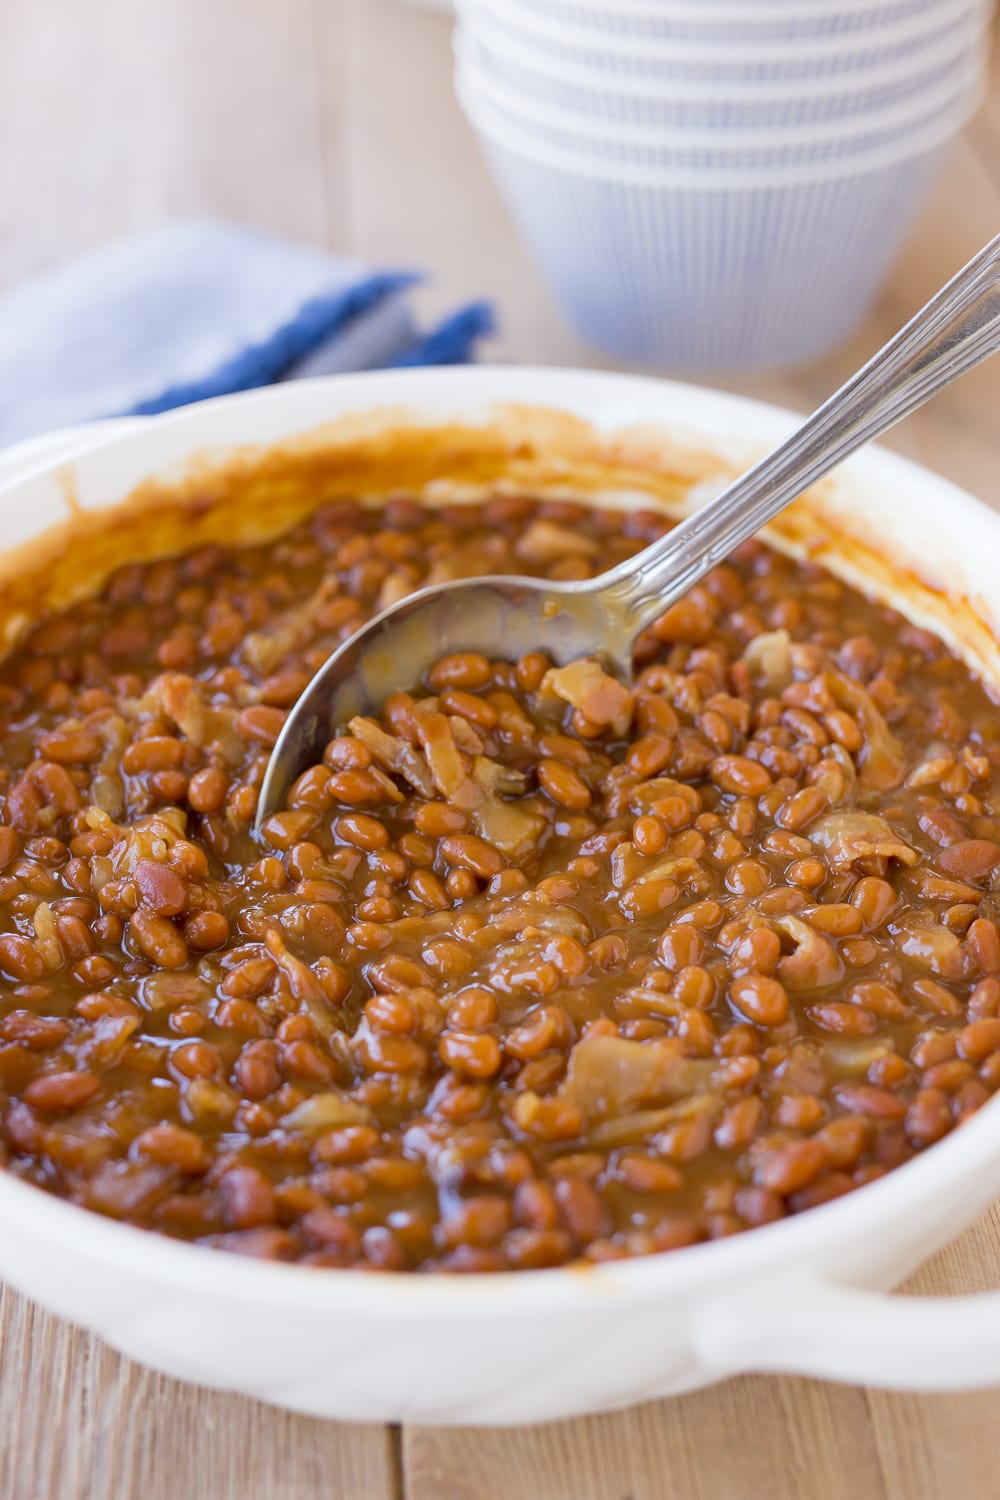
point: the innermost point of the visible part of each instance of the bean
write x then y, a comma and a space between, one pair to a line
472, 853
246, 1198
740, 776
158, 939
802, 808
738, 1124
864, 1099
19, 958
970, 859
470, 1052
60, 1093
363, 788
207, 790
361, 830
760, 999
874, 900
261, 722
465, 669
843, 1140
842, 1018
581, 1209
173, 1146
162, 890
71, 748
979, 1039
158, 753
563, 785
206, 930
786, 1169
928, 1116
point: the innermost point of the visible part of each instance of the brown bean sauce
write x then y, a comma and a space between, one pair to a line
531, 968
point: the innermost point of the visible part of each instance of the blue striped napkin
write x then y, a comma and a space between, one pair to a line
199, 309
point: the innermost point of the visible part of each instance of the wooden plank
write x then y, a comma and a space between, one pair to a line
80, 1422
940, 1447
419, 193
334, 121
116, 115
752, 1439
755, 1438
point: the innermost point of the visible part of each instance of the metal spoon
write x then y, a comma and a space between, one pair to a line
507, 617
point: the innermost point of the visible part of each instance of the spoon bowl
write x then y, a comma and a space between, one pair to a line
501, 616
508, 617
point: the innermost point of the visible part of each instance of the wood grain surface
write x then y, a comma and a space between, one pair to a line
332, 121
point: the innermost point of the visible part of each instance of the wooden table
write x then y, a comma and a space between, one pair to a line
332, 121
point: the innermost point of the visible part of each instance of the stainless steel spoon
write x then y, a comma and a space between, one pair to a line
506, 617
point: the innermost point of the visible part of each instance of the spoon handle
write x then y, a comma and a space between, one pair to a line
955, 331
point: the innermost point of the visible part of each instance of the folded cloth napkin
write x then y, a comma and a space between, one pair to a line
201, 309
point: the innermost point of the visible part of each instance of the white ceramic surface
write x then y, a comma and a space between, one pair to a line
806, 1294
786, 18
679, 96
714, 57
949, 101
696, 271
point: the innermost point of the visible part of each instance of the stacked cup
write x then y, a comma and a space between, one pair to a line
717, 184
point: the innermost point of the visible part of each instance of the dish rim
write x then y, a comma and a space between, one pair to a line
765, 1251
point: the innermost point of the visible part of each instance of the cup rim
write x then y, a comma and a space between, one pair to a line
725, 11
523, 107
700, 179
527, 23
588, 76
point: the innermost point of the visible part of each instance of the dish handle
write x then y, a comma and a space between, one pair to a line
808, 1325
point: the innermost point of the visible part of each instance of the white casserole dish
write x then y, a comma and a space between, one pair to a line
807, 1294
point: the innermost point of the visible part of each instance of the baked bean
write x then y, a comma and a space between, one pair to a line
979, 1039
158, 939
173, 1146
158, 753
464, 670
261, 723
246, 1198
802, 808
468, 706
472, 853
760, 999
162, 890
928, 1116
936, 998
798, 1112
970, 859
59, 1093
362, 831
71, 748
680, 947
759, 951
748, 877
864, 1099
581, 1209
842, 1018
809, 873
983, 940
788, 1168
362, 788
563, 785
738, 1124
423, 1027
740, 776
20, 959
206, 930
